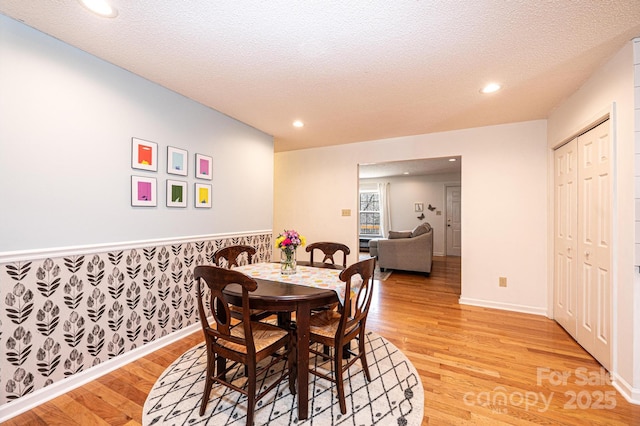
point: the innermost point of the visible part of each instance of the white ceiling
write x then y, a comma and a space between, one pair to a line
352, 70
417, 167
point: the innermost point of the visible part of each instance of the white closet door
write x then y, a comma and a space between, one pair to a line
582, 241
565, 238
594, 243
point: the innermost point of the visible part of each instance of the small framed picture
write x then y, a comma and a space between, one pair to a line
419, 207
144, 155
176, 193
204, 167
202, 195
143, 191
177, 161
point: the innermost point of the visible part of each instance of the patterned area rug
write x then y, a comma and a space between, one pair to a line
394, 397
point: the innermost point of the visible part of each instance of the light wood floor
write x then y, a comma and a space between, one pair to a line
478, 366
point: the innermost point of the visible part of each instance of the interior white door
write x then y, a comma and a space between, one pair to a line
582, 241
565, 240
454, 221
594, 243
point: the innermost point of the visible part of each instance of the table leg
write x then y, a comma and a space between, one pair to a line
303, 313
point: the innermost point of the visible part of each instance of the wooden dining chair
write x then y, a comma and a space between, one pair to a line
231, 256
336, 329
329, 249
247, 342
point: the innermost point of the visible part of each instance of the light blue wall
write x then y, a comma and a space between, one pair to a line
66, 123
85, 277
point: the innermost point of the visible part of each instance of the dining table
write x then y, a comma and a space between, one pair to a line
312, 286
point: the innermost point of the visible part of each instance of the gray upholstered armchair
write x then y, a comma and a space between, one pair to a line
407, 250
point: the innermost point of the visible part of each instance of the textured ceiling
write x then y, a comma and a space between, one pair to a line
352, 70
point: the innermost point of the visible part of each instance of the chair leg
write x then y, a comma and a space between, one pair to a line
284, 319
208, 384
205, 396
293, 373
251, 396
362, 354
337, 368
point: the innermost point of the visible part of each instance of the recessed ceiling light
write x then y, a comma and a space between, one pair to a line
490, 88
298, 123
100, 7
405, 173
452, 159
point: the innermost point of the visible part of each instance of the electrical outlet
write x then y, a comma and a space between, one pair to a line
346, 212
503, 281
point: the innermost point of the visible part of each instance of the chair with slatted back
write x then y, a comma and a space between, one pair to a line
336, 329
231, 256
247, 342
329, 249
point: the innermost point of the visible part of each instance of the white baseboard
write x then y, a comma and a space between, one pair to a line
504, 306
631, 394
61, 387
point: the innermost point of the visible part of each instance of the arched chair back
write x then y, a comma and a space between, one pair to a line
329, 249
232, 255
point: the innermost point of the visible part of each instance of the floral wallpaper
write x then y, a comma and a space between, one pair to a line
65, 315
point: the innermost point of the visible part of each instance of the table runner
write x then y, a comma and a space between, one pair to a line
305, 275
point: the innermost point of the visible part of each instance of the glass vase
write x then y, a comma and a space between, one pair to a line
288, 261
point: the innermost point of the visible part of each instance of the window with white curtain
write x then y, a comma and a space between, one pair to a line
370, 213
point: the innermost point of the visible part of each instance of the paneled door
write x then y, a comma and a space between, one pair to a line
582, 241
454, 222
565, 241
594, 243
